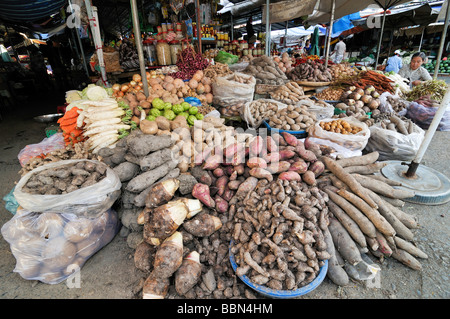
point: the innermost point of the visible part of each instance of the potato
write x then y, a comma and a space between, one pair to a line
163, 123
78, 229
148, 127
58, 253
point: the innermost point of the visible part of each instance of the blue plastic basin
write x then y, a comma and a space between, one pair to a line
282, 294
297, 134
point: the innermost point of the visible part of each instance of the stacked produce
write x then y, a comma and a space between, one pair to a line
134, 86
433, 89
397, 104
77, 151
342, 70
359, 100
102, 123
330, 94
288, 93
380, 82
188, 63
340, 126
266, 71
65, 179
399, 83
284, 63
393, 122
292, 118
68, 123
366, 216
311, 71
215, 70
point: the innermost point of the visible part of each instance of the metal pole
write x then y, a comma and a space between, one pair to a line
138, 39
381, 38
199, 29
421, 38
330, 30
81, 46
428, 136
267, 28
232, 29
441, 45
285, 34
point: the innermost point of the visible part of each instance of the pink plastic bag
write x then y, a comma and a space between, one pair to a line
47, 145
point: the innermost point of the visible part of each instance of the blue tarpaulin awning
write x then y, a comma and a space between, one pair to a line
29, 10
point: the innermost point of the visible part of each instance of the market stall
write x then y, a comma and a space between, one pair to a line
233, 175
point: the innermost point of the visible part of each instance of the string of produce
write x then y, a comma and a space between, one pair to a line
188, 63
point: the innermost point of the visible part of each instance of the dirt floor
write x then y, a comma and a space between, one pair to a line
110, 273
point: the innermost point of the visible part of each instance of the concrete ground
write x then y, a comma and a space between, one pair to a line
110, 273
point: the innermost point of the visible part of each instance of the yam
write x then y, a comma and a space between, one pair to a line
146, 179
145, 144
344, 243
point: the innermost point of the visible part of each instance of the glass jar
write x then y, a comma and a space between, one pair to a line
245, 52
175, 47
163, 52
245, 44
178, 26
150, 49
164, 27
255, 52
164, 35
159, 28
226, 47
241, 45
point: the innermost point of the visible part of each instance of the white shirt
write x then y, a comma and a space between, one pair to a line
340, 48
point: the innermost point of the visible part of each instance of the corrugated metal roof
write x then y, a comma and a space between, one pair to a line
29, 10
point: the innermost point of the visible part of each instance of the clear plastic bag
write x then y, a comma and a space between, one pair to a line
87, 201
322, 112
423, 116
248, 117
47, 145
228, 92
353, 142
394, 145
48, 246
385, 106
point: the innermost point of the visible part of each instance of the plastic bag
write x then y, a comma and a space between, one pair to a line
88, 201
239, 67
423, 116
394, 145
385, 106
352, 142
322, 112
247, 115
48, 246
229, 92
11, 202
225, 57
339, 150
47, 145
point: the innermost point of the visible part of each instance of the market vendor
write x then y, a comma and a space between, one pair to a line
414, 71
394, 63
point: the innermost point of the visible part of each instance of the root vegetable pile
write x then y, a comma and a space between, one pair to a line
311, 71
366, 217
292, 118
330, 94
68, 123
393, 122
289, 93
189, 62
285, 63
65, 179
342, 70
266, 71
216, 70
340, 126
380, 82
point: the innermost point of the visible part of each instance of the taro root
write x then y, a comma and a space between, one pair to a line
189, 273
168, 257
162, 192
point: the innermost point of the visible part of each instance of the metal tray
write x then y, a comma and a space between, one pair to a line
47, 118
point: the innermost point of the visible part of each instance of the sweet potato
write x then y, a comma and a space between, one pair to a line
309, 178
261, 173
383, 245
271, 145
255, 162
272, 157
307, 155
317, 168
201, 192
221, 183
221, 204
299, 166
278, 167
247, 186
349, 180
290, 176
343, 242
286, 154
289, 138
256, 146
202, 225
